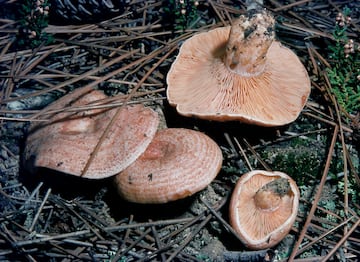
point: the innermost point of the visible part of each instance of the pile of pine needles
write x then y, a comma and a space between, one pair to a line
128, 57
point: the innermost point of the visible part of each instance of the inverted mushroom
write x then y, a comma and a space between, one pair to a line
263, 208
178, 163
66, 141
239, 73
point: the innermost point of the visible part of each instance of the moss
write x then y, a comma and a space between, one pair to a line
300, 160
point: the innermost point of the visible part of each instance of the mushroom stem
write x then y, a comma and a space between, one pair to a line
269, 196
249, 40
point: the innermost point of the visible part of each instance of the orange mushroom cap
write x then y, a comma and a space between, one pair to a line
67, 140
262, 214
178, 163
239, 73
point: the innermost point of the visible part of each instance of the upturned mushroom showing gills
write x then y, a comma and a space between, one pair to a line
239, 73
65, 142
178, 163
263, 208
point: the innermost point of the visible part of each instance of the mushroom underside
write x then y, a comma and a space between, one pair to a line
268, 221
257, 227
200, 85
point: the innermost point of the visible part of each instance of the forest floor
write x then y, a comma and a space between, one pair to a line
56, 217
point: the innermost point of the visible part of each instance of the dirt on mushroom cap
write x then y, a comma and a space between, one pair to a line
178, 163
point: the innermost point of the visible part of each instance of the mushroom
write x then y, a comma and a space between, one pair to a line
178, 163
263, 208
239, 73
65, 142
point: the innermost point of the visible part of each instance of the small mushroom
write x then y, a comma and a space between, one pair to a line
239, 73
66, 141
263, 208
178, 163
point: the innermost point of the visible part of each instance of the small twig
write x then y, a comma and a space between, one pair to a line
44, 238
231, 144
40, 210
158, 242
243, 154
148, 224
91, 213
30, 198
308, 30
65, 251
284, 7
225, 224
125, 238
10, 239
312, 59
189, 238
185, 226
217, 12
140, 238
252, 150
332, 123
81, 218
308, 245
342, 241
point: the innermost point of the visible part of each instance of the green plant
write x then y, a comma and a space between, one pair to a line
34, 18
182, 13
344, 73
336, 173
352, 189
298, 159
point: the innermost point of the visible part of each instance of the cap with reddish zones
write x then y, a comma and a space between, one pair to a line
67, 140
263, 208
239, 73
178, 163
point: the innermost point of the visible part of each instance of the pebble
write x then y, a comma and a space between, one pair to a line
30, 103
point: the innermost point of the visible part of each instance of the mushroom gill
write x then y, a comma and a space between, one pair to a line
234, 73
263, 207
